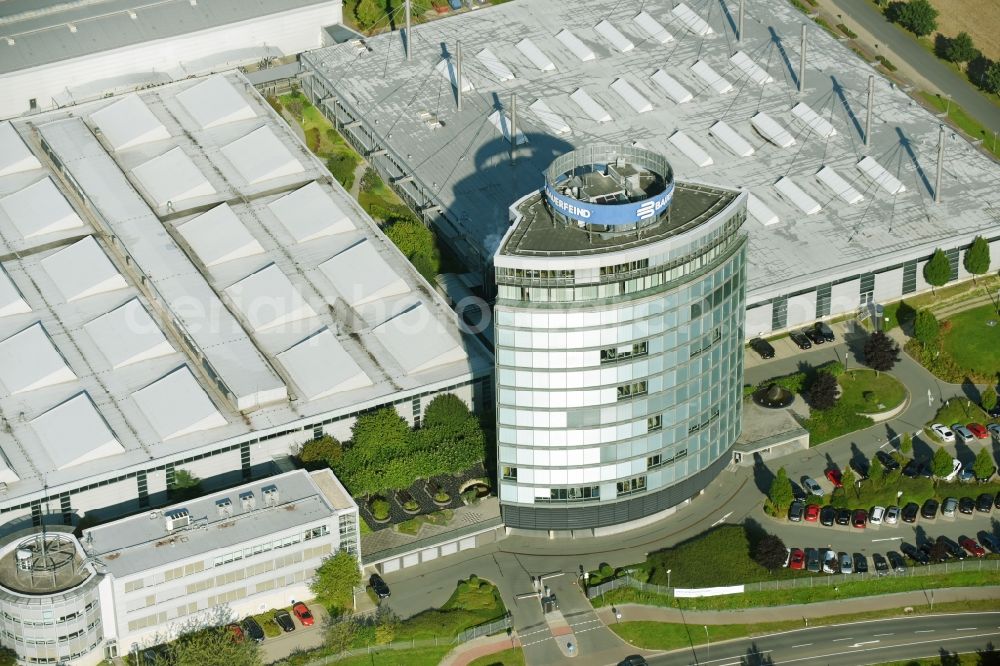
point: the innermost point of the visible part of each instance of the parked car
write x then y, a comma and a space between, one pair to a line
800, 339
996, 503
984, 503
880, 564
633, 660
814, 336
812, 512
909, 512
860, 563
827, 515
253, 630
929, 509
956, 467
812, 560
829, 561
795, 511
823, 331
966, 505
810, 485
989, 475
891, 515
284, 620
994, 429
888, 462
989, 541
962, 434
379, 586
876, 515
944, 432
860, 467
834, 477
797, 560
914, 553
302, 612
896, 561
948, 507
911, 469
935, 552
967, 475
859, 519
953, 548
970, 545
978, 429
843, 516
762, 347
846, 563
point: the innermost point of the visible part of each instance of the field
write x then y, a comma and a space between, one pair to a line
887, 392
972, 343
978, 18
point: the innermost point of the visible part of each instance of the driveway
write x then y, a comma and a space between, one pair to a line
303, 638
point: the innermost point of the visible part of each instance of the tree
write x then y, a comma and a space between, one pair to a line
941, 463
780, 493
977, 257
770, 552
368, 13
185, 485
881, 352
988, 398
323, 452
848, 480
906, 444
926, 327
838, 499
340, 634
937, 271
991, 78
876, 473
446, 409
417, 242
983, 465
7, 657
210, 647
917, 16
961, 48
386, 624
823, 391
335, 580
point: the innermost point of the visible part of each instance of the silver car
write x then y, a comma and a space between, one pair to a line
846, 563
948, 507
891, 515
811, 486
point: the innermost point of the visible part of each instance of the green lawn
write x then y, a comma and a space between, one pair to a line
967, 659
962, 119
973, 344
474, 602
867, 496
511, 657
886, 391
431, 656
806, 595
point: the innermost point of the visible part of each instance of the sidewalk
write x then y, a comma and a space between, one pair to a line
899, 600
479, 647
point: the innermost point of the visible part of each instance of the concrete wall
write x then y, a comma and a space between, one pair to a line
801, 309
427, 553
758, 320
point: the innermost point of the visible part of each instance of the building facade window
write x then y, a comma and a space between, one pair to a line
509, 473
614, 354
575, 494
823, 298
866, 288
779, 313
909, 277
652, 462
654, 423
636, 484
633, 390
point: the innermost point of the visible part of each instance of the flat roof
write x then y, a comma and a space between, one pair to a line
41, 34
142, 542
135, 307
463, 162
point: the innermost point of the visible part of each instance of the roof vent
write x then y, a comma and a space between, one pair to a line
72, 28
225, 507
132, 15
270, 495
248, 501
10, 41
176, 519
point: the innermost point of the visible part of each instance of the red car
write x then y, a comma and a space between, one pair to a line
302, 612
812, 513
973, 547
797, 560
834, 476
859, 519
978, 430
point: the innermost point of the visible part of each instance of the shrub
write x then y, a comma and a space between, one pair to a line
442, 497
917, 16
960, 49
370, 180
606, 570
770, 552
313, 138
275, 104
470, 496
886, 63
988, 398
418, 243
342, 165
380, 509
926, 328
847, 31
295, 104
323, 452
411, 505
823, 391
941, 463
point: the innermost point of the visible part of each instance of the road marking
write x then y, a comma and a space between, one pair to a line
924, 631
895, 538
967, 629
721, 520
849, 638
803, 645
864, 643
893, 634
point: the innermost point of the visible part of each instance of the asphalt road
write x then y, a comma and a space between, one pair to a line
905, 45
867, 642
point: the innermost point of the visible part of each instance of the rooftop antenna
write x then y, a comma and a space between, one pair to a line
740, 38
940, 165
458, 74
802, 61
409, 39
513, 125
868, 114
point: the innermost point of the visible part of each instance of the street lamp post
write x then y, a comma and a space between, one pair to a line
668, 578
708, 656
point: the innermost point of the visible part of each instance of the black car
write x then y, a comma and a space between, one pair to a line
860, 563
843, 516
911, 469
989, 541
827, 515
762, 347
800, 339
896, 561
379, 586
823, 332
914, 553
984, 503
881, 566
996, 504
284, 620
953, 548
935, 552
797, 492
909, 513
252, 630
795, 511
888, 462
929, 509
966, 505
860, 467
814, 335
633, 660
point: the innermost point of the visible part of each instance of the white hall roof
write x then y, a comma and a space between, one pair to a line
309, 213
172, 177
361, 275
439, 346
190, 409
14, 155
82, 270
40, 209
320, 366
214, 102
128, 122
11, 300
260, 156
268, 298
218, 236
29, 361
128, 335
74, 432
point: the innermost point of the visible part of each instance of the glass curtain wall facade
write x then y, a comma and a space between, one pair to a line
619, 380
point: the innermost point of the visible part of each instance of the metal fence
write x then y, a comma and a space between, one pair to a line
815, 580
488, 629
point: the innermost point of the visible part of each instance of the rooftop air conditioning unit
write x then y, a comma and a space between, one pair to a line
225, 507
176, 518
248, 501
270, 495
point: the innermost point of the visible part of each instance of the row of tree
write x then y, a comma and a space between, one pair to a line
385, 454
937, 271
